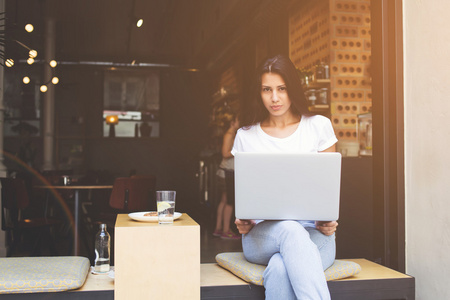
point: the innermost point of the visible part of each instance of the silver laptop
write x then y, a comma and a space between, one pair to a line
271, 186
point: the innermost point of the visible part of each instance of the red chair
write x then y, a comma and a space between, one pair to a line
15, 223
133, 193
129, 194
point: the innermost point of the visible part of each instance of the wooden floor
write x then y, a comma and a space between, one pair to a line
211, 246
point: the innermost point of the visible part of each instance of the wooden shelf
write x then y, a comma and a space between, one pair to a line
317, 83
319, 107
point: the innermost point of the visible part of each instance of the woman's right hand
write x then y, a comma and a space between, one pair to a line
244, 226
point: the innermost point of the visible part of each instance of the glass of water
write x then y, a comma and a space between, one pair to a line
165, 205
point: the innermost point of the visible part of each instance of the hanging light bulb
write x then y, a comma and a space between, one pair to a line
30, 60
29, 27
33, 53
55, 80
9, 62
26, 80
53, 63
140, 22
43, 88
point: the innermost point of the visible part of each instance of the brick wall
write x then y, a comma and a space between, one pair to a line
337, 32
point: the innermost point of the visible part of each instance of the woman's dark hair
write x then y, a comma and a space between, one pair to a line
283, 66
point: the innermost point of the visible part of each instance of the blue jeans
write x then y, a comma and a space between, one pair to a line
295, 257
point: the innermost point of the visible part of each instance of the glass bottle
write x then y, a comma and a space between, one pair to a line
102, 250
326, 71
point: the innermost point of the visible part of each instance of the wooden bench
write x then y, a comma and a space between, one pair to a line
373, 282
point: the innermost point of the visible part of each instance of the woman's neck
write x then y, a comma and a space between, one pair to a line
280, 127
281, 121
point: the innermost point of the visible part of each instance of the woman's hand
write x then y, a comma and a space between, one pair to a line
244, 226
228, 138
327, 227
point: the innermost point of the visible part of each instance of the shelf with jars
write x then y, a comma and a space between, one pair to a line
317, 94
317, 87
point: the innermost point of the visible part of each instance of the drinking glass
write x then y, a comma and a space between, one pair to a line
165, 204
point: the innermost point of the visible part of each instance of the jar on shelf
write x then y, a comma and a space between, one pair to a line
303, 75
365, 134
311, 96
319, 71
322, 71
322, 96
309, 77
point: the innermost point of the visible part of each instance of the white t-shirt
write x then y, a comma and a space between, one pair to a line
313, 134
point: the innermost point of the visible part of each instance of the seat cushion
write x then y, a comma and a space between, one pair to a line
42, 274
236, 263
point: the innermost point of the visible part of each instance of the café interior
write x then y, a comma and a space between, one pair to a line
95, 91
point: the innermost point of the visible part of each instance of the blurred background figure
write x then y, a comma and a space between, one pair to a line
226, 184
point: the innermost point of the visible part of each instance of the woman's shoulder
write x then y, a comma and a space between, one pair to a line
245, 138
251, 129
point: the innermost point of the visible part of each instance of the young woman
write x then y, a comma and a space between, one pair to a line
296, 252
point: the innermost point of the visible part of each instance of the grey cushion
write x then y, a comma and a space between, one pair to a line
236, 263
42, 274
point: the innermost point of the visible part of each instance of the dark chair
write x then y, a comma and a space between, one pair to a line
133, 193
129, 194
16, 222
54, 177
54, 207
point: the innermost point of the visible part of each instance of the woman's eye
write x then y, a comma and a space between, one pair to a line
283, 88
266, 89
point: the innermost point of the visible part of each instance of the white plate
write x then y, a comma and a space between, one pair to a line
139, 216
111, 273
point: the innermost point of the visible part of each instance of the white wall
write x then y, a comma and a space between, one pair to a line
427, 144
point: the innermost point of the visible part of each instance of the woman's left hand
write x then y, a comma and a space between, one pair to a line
327, 227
